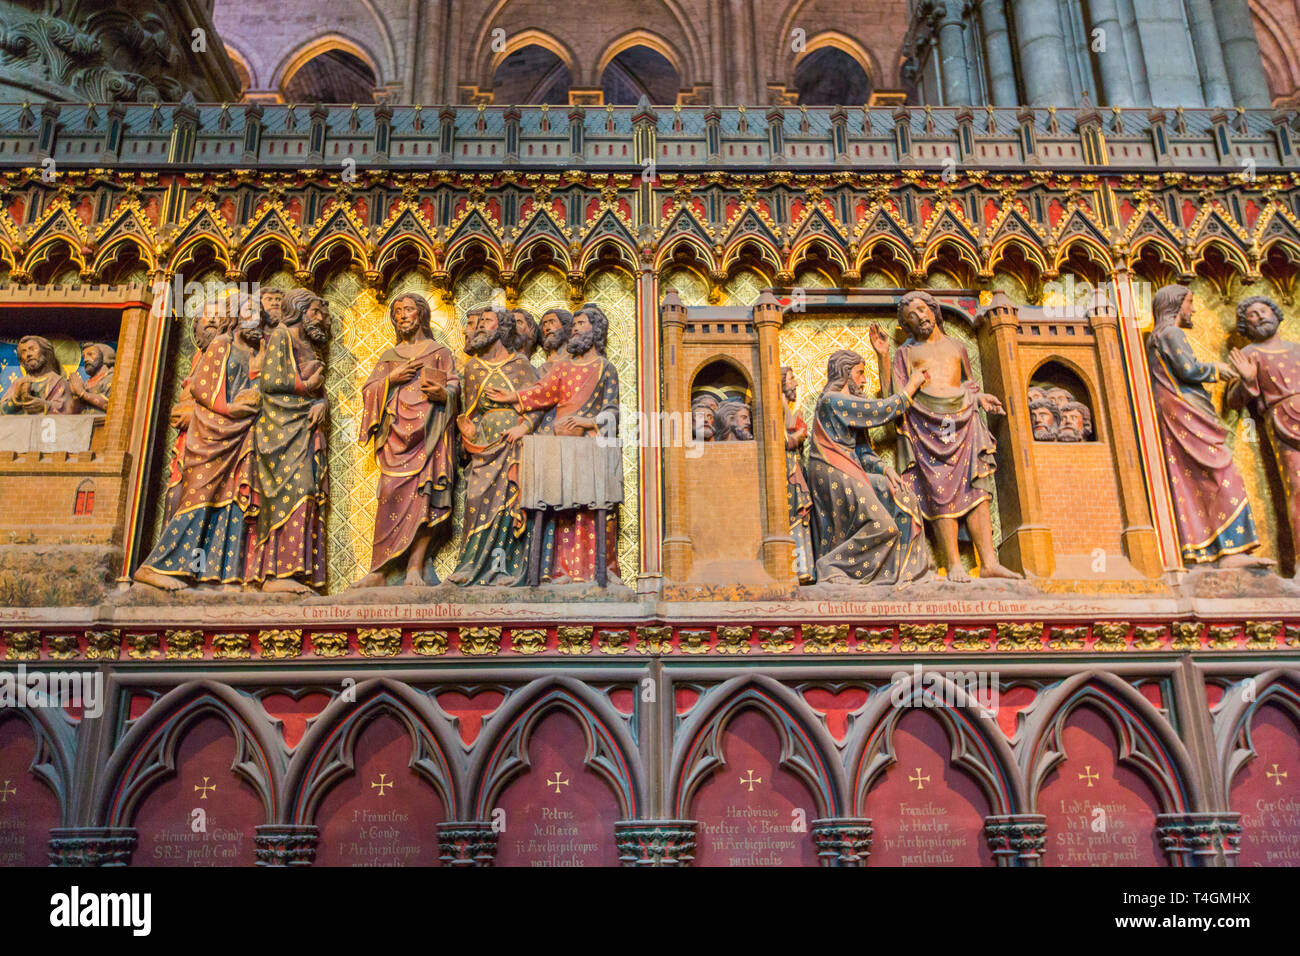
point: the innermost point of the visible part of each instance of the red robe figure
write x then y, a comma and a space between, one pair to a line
205, 541
584, 394
207, 325
289, 440
408, 407
1210, 504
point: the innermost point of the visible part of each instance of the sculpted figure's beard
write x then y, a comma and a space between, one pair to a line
1045, 433
741, 433
703, 432
790, 393
555, 341
853, 387
581, 342
1069, 434
315, 331
483, 341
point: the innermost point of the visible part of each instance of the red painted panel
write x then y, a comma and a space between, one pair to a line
836, 707
923, 810
470, 711
746, 808
28, 807
1266, 792
568, 821
165, 819
384, 814
1088, 780
294, 714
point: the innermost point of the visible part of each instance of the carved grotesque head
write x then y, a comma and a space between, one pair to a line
251, 322
410, 314
918, 313
1035, 394
590, 330
527, 332
556, 327
1076, 423
1046, 420
1059, 397
703, 409
1258, 318
733, 422
36, 354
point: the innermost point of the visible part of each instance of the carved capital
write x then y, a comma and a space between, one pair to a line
655, 842
1016, 839
92, 846
467, 843
285, 844
842, 841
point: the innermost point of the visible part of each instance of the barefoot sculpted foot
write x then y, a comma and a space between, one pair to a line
998, 571
284, 586
958, 575
375, 579
1237, 561
158, 580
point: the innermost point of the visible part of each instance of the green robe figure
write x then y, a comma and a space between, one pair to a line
494, 543
289, 442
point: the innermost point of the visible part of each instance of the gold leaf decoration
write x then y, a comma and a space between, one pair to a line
329, 643
825, 638
1187, 636
1020, 637
184, 645
430, 643
22, 645
1262, 635
654, 640
1111, 636
1068, 638
142, 647
528, 640
62, 647
875, 640
232, 647
921, 637
480, 641
379, 641
1223, 637
574, 640
278, 645
734, 638
694, 641
972, 638
613, 642
104, 645
1148, 637
776, 640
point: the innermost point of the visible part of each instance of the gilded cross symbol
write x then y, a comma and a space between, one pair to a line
1275, 775
751, 781
918, 779
381, 784
205, 788
6, 791
557, 782
1088, 775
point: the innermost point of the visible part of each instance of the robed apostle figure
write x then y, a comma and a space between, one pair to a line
207, 326
798, 497
408, 411
946, 454
289, 441
1211, 509
42, 389
1269, 383
493, 544
869, 527
92, 392
205, 541
583, 392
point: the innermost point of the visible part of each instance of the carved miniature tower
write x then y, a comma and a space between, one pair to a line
726, 520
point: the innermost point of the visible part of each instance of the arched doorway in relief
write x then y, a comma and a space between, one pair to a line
29, 800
